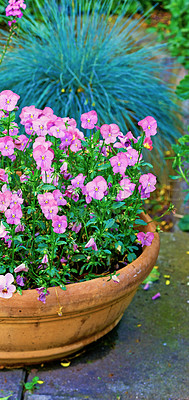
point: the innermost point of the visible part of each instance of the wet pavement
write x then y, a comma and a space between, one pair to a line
145, 357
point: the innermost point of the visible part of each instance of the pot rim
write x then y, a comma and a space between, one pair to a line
94, 292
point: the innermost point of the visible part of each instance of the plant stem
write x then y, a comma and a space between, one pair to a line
11, 33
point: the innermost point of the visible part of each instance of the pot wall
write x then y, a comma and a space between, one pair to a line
32, 332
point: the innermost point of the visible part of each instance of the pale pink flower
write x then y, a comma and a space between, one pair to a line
3, 176
96, 188
89, 119
22, 267
29, 114
149, 126
40, 126
6, 287
127, 189
8, 100
43, 157
148, 143
119, 163
5, 199
3, 231
13, 215
132, 156
15, 199
109, 132
45, 199
59, 223
59, 197
45, 259
91, 243
50, 210
22, 142
6, 146
78, 181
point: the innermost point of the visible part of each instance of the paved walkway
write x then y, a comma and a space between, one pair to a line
145, 357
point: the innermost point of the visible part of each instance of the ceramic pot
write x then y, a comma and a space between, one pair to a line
33, 332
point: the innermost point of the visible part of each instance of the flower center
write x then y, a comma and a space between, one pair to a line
41, 126
4, 290
149, 127
118, 164
13, 215
6, 147
43, 157
59, 225
96, 189
8, 101
88, 120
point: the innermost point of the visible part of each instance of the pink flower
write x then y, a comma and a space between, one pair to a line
127, 189
3, 176
45, 259
149, 126
109, 132
78, 181
43, 157
8, 100
132, 156
22, 142
91, 243
29, 114
147, 186
3, 231
24, 178
75, 145
13, 215
96, 188
59, 223
45, 199
58, 196
6, 287
19, 228
119, 163
145, 239
5, 199
6, 146
40, 126
15, 199
50, 210
89, 119
21, 267
76, 228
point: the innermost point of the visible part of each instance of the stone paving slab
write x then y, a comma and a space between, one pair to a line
146, 356
10, 383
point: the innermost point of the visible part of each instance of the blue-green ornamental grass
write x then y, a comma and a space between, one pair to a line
74, 61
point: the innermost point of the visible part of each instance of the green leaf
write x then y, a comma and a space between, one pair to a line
118, 205
186, 198
184, 223
174, 176
140, 222
109, 223
48, 187
103, 166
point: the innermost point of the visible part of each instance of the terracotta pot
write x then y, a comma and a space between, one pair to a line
32, 332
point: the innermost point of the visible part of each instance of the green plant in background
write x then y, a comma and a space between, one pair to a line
181, 166
176, 35
74, 62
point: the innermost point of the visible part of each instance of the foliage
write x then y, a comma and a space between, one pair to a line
177, 32
183, 88
70, 205
180, 165
73, 62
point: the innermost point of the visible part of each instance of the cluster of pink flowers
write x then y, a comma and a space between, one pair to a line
14, 10
68, 177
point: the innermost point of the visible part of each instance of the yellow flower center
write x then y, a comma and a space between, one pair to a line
5, 290
13, 215
41, 126
96, 189
8, 101
6, 147
118, 164
43, 157
88, 120
59, 225
149, 127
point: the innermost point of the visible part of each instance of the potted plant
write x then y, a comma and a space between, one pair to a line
75, 241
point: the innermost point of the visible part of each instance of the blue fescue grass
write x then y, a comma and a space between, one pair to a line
74, 62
